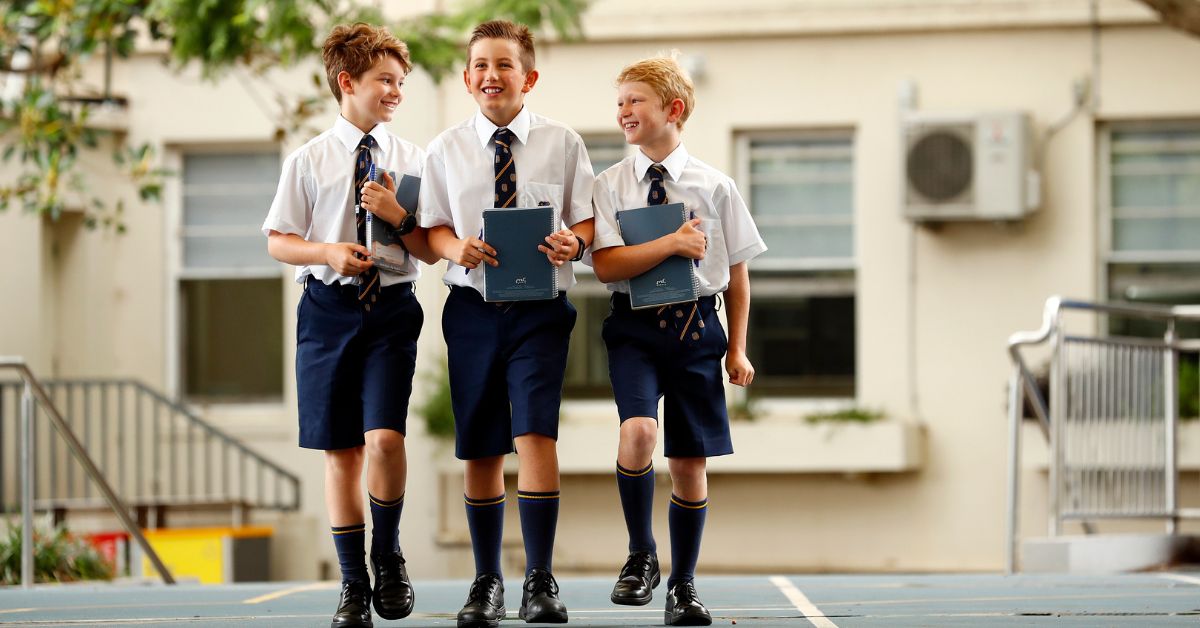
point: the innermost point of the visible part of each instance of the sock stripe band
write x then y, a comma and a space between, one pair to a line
386, 504
358, 527
490, 501
537, 495
683, 503
635, 474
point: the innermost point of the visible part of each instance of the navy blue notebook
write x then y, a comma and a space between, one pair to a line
673, 280
384, 243
524, 273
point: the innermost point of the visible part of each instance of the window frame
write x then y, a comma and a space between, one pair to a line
173, 249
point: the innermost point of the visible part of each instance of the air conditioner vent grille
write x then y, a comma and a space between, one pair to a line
940, 164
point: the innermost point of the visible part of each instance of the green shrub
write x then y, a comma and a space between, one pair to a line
849, 415
437, 410
57, 557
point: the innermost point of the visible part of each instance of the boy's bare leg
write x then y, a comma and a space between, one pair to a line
635, 484
343, 499
387, 469
689, 478
538, 457
387, 464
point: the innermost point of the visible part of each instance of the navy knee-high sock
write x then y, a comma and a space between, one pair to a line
637, 501
385, 524
349, 541
686, 522
539, 521
485, 519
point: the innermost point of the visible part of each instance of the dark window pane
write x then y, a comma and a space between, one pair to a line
802, 346
587, 364
232, 339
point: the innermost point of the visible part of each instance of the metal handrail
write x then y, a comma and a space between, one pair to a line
199, 465
1022, 383
33, 389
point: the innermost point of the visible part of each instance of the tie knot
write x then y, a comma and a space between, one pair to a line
657, 172
367, 142
503, 136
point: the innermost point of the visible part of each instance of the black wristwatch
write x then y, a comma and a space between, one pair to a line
579, 254
407, 224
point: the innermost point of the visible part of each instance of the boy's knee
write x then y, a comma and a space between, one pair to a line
639, 434
384, 444
348, 460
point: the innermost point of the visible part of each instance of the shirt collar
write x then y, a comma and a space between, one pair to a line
351, 135
674, 163
519, 126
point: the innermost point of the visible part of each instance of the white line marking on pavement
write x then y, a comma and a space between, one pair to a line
315, 586
16, 610
1180, 577
810, 610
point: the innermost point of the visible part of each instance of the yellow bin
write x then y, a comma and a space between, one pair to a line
210, 555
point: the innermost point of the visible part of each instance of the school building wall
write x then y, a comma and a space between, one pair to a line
922, 491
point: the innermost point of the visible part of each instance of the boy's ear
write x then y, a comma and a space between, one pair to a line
530, 79
345, 82
467, 79
675, 110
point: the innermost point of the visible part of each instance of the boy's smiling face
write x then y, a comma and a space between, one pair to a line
373, 97
497, 79
643, 117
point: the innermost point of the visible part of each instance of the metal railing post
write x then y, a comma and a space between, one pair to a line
27, 469
1015, 412
1171, 403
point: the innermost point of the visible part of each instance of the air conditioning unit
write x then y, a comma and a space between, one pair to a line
968, 167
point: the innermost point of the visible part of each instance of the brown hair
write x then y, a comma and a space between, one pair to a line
355, 48
503, 29
666, 78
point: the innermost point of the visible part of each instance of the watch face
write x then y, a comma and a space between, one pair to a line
407, 224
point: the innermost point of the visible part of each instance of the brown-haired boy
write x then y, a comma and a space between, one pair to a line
356, 325
507, 360
673, 351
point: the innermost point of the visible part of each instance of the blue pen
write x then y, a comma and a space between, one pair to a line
692, 216
467, 271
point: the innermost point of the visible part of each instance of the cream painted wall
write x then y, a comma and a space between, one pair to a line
775, 66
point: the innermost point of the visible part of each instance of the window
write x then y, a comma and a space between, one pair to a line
587, 364
1151, 196
800, 189
230, 294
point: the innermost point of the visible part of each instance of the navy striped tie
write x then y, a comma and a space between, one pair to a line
506, 168
368, 288
680, 318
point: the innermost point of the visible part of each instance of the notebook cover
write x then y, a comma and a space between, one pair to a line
524, 273
673, 280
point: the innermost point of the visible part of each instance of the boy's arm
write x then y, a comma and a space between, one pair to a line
737, 303
616, 263
563, 246
290, 248
467, 252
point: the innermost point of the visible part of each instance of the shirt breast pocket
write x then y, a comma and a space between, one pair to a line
540, 195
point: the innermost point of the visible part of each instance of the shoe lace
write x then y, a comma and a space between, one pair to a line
481, 589
355, 592
541, 581
391, 563
685, 592
638, 565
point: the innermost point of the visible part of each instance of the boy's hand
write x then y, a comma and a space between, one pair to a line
741, 372
690, 242
560, 247
470, 252
381, 200
344, 257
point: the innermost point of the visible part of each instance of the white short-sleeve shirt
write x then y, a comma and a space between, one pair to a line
706, 193
315, 199
459, 182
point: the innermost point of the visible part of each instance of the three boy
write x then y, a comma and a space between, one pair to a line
357, 325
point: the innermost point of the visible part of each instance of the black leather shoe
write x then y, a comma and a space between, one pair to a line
683, 608
393, 592
354, 609
639, 576
539, 599
485, 603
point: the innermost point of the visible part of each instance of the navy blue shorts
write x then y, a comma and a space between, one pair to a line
507, 363
647, 363
354, 368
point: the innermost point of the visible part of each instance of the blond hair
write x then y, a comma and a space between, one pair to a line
668, 80
503, 29
356, 48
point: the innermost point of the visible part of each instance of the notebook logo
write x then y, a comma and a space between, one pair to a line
520, 281
660, 283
